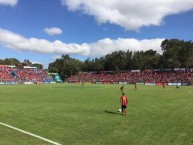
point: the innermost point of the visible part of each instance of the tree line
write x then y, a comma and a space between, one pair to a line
17, 63
175, 54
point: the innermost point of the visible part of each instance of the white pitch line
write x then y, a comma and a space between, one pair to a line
31, 134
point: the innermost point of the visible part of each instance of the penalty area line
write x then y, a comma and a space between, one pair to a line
30, 134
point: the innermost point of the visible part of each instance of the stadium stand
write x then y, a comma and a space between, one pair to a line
14, 75
17, 75
183, 76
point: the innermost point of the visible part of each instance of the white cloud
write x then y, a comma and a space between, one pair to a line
53, 31
96, 49
129, 14
105, 46
15, 41
34, 62
9, 2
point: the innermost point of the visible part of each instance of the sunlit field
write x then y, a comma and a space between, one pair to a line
71, 114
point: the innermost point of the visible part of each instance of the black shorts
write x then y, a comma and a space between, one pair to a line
124, 107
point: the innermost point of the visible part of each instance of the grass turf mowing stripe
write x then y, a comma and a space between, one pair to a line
31, 134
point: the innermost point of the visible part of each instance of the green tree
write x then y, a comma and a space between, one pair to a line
177, 53
1, 61
186, 54
116, 61
138, 60
65, 66
87, 65
11, 61
39, 66
129, 60
26, 63
151, 59
98, 64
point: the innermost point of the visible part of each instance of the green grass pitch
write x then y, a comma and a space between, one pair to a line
71, 114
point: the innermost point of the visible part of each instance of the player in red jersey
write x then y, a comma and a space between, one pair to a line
124, 101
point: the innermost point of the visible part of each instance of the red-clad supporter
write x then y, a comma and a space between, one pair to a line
13, 74
136, 77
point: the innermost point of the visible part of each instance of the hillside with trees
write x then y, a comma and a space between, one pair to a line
17, 63
176, 54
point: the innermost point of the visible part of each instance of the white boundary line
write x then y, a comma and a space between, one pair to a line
31, 134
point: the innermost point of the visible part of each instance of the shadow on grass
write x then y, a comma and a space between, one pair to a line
112, 112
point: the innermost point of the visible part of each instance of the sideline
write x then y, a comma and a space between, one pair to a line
31, 134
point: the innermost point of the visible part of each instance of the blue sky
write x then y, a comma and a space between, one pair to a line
43, 30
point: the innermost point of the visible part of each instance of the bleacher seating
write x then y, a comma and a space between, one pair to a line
14, 74
149, 76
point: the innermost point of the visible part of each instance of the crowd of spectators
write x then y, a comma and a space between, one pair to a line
149, 76
14, 74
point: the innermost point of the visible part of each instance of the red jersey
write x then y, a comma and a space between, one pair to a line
124, 100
